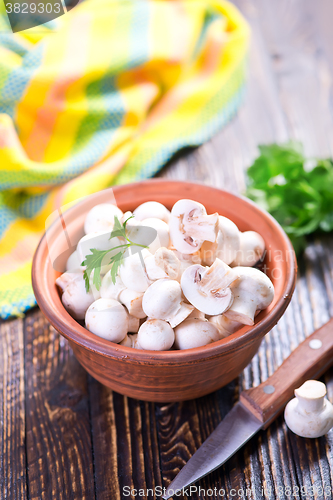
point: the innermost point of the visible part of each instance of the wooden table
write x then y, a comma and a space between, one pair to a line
65, 436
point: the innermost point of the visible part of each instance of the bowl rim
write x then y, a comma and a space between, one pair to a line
71, 329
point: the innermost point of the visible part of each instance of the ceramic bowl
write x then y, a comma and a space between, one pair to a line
168, 375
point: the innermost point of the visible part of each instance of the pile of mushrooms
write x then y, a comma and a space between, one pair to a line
193, 284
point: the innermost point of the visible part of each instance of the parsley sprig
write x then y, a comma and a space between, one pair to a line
93, 261
297, 191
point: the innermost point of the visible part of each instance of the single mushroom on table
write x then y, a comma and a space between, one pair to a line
163, 300
226, 245
208, 288
310, 414
190, 226
252, 291
156, 335
195, 333
108, 319
251, 249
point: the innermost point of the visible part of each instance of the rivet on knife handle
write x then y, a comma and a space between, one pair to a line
309, 361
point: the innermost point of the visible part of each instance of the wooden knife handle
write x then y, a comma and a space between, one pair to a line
308, 361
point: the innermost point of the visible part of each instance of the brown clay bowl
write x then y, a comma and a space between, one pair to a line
169, 375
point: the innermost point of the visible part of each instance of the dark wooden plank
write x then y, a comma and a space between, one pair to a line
59, 456
125, 446
12, 412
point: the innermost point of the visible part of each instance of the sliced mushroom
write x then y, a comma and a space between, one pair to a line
252, 291
163, 264
190, 226
156, 335
163, 300
195, 333
251, 249
208, 288
152, 209
226, 246
197, 315
310, 414
108, 319
101, 218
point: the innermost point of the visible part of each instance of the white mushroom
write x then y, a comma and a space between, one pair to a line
107, 319
163, 264
226, 246
197, 314
133, 324
133, 272
73, 262
195, 333
253, 290
163, 300
156, 335
127, 341
110, 290
100, 241
186, 260
133, 302
190, 226
101, 218
208, 288
224, 325
310, 414
75, 298
135, 342
154, 233
152, 209
251, 249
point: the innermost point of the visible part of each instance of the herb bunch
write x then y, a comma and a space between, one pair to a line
93, 261
296, 191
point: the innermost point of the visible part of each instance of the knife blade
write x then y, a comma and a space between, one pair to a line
258, 407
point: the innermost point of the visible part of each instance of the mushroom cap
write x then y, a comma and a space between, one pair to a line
162, 299
73, 262
252, 291
190, 226
251, 249
152, 209
224, 325
75, 298
208, 288
101, 218
108, 319
127, 341
156, 335
133, 272
162, 238
195, 333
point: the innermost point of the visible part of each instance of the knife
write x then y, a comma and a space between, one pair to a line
258, 407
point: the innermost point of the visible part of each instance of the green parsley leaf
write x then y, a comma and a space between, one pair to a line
298, 192
93, 261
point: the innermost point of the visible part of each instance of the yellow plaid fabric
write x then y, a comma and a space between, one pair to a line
105, 94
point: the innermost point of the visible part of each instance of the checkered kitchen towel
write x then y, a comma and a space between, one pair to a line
104, 95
